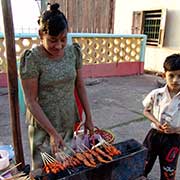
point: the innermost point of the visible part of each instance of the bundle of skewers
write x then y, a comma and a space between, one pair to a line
89, 157
7, 175
51, 165
18, 176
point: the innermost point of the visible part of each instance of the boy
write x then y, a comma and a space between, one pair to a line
162, 108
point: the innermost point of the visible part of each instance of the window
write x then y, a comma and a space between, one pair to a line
151, 23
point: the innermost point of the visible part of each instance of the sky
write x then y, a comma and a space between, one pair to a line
25, 14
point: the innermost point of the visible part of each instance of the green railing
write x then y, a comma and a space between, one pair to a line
96, 48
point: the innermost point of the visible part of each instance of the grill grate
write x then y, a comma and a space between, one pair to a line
128, 165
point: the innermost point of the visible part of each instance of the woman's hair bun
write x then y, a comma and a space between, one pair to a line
54, 7
52, 21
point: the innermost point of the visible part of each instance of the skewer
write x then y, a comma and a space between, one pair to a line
101, 140
28, 178
4, 173
105, 142
71, 149
59, 156
98, 144
18, 175
80, 148
62, 155
50, 157
64, 158
43, 159
86, 147
50, 162
46, 161
67, 155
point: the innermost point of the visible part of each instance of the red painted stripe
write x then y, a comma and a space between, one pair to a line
101, 70
113, 69
3, 80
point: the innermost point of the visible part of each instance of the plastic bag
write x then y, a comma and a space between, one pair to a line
82, 142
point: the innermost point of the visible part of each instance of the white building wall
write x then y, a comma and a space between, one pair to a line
154, 56
25, 15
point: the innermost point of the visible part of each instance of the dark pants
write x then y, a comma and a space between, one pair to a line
167, 148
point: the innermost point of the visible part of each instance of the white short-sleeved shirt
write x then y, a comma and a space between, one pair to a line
163, 107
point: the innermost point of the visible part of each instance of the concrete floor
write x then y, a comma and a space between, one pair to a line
115, 104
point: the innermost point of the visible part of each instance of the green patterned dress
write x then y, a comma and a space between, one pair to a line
56, 83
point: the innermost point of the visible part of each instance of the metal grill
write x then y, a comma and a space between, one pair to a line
128, 165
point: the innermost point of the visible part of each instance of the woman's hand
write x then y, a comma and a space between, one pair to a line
88, 125
56, 142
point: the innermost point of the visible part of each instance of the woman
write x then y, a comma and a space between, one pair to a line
49, 74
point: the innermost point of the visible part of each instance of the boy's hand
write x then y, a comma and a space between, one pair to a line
169, 129
165, 126
159, 126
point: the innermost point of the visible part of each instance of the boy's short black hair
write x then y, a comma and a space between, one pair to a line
172, 63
